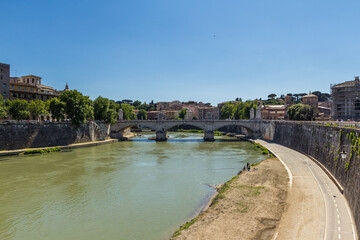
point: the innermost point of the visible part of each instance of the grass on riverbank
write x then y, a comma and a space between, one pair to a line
44, 150
263, 149
216, 133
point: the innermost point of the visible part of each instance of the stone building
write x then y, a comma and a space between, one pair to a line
273, 112
171, 114
152, 115
30, 88
346, 100
4, 80
311, 100
208, 113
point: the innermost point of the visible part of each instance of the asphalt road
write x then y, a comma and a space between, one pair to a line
316, 208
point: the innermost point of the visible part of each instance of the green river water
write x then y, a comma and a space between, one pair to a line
138, 189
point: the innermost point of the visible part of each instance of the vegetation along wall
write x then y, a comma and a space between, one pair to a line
30, 135
325, 143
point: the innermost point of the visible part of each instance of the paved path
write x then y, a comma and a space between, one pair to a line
317, 209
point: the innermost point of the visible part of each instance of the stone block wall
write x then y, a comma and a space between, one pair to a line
32, 135
325, 143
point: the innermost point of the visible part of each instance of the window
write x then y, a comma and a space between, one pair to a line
19, 88
12, 87
4, 84
338, 107
357, 105
32, 80
1, 77
25, 88
4, 93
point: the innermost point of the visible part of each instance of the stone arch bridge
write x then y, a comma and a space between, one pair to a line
254, 128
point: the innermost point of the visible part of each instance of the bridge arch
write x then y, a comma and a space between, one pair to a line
249, 129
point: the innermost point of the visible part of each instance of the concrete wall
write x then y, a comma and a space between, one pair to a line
325, 143
30, 135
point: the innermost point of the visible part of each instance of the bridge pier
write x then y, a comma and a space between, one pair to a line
161, 135
209, 136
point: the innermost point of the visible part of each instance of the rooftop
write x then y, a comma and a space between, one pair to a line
347, 83
30, 76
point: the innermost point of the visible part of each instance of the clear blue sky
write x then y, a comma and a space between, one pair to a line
202, 50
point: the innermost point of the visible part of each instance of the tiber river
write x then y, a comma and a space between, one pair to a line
138, 189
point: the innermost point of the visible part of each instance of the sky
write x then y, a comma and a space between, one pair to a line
200, 50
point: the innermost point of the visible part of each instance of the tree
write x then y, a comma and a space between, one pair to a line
128, 112
57, 109
77, 106
37, 108
242, 109
142, 115
301, 112
106, 110
144, 106
136, 104
182, 113
272, 95
3, 108
227, 111
322, 96
18, 109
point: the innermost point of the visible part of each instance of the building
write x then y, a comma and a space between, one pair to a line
171, 114
311, 100
27, 87
152, 115
273, 112
174, 105
30, 88
346, 100
208, 113
4, 80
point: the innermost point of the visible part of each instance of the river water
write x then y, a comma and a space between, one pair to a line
137, 189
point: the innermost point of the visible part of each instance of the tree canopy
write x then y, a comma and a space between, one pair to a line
106, 110
272, 96
18, 109
182, 113
38, 108
239, 110
301, 112
77, 106
3, 108
128, 113
57, 109
142, 115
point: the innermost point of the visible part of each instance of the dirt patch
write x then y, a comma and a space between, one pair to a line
249, 206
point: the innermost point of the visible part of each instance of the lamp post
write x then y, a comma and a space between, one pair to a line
343, 155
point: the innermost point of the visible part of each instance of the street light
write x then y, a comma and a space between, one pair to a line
343, 155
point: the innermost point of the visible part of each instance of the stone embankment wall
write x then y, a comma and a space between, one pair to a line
32, 135
326, 143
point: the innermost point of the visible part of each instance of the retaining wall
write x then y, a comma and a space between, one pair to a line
30, 135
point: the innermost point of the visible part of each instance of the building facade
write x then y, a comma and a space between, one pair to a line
4, 80
273, 112
311, 100
30, 88
346, 100
208, 113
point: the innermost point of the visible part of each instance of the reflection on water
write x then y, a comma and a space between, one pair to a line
139, 189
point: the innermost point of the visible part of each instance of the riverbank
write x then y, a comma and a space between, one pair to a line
70, 146
249, 206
